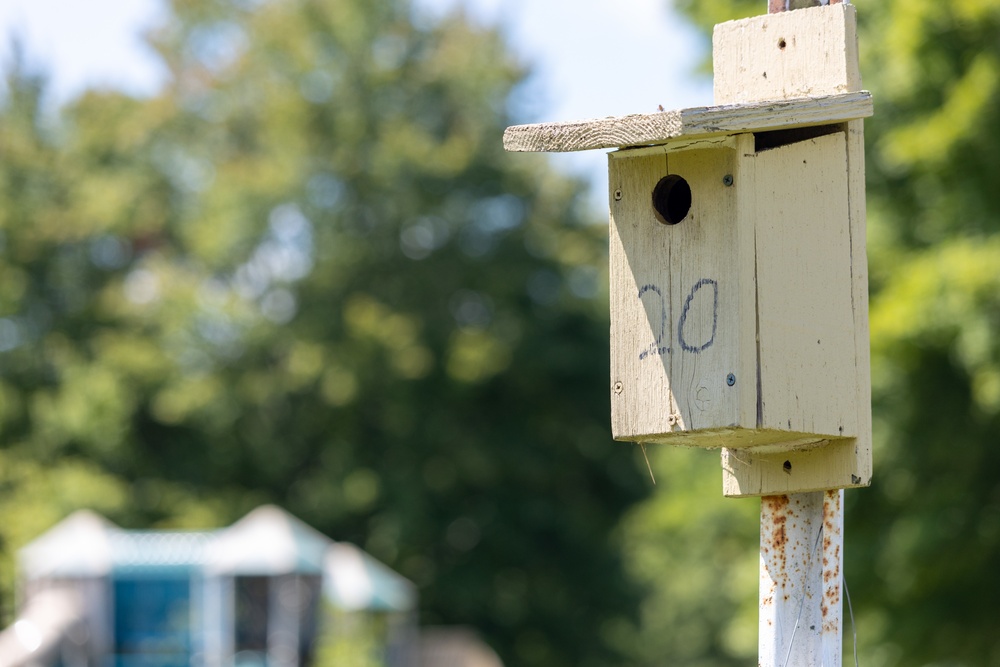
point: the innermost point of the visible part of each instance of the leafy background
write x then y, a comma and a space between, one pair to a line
306, 273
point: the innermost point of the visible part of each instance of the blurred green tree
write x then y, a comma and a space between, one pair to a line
922, 541
306, 273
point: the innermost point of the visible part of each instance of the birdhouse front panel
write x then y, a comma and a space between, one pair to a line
675, 303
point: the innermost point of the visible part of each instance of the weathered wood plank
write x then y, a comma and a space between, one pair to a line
704, 292
862, 474
790, 55
676, 145
808, 370
805, 52
823, 464
682, 316
663, 127
642, 399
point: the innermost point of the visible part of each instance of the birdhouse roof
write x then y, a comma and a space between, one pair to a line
664, 127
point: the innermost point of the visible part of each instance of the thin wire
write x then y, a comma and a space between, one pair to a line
802, 602
854, 628
791, 641
648, 467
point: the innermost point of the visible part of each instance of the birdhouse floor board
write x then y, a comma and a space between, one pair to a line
687, 124
759, 441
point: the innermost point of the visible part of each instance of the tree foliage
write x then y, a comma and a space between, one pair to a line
306, 273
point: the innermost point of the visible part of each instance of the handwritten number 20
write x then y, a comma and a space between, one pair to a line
658, 347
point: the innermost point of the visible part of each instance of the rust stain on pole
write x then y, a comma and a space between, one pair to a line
801, 540
833, 542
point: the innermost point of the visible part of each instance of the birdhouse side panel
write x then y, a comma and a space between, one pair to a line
806, 311
859, 277
675, 306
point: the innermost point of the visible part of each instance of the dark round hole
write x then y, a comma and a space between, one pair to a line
671, 199
781, 43
787, 466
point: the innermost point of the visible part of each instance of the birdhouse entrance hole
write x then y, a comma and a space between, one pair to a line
671, 199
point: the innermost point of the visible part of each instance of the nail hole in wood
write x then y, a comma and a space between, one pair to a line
781, 43
787, 466
671, 199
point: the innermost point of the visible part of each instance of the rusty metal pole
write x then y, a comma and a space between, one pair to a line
801, 546
801, 551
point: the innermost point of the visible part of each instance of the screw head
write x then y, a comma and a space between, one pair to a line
730, 379
618, 387
727, 180
618, 195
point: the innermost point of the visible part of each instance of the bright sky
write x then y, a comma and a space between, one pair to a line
592, 58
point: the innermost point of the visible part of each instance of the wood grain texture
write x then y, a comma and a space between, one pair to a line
694, 123
804, 291
819, 57
823, 465
674, 299
812, 379
676, 145
804, 53
859, 281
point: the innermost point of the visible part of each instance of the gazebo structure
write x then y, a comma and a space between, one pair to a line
268, 590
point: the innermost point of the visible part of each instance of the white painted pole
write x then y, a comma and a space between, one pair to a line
801, 556
801, 551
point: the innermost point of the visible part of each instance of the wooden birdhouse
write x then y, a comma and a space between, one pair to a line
739, 290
